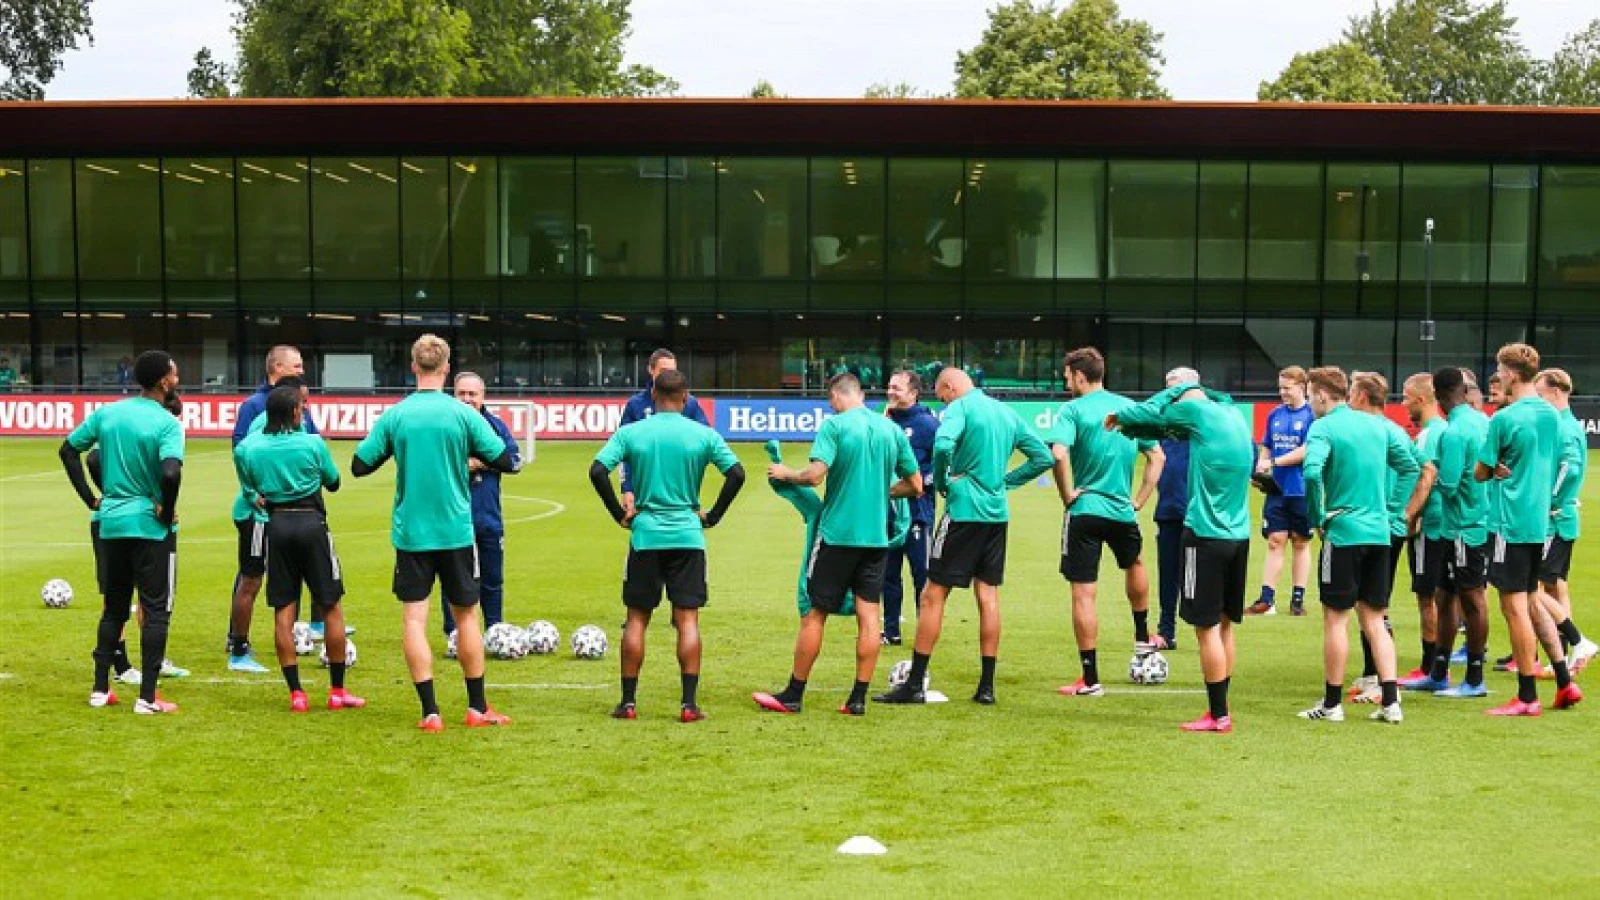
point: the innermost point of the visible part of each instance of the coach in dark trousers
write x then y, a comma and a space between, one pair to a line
488, 526
1172, 502
920, 426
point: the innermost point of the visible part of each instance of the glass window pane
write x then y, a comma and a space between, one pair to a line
475, 223
622, 215
536, 207
1569, 236
16, 344
925, 216
197, 225
119, 219
1011, 221
1273, 345
274, 218
58, 349
50, 220
1455, 343
1285, 221
1363, 212
355, 218
206, 349
761, 207
1150, 220
111, 340
692, 216
424, 228
1080, 199
1456, 198
1511, 236
13, 220
1223, 200
1570, 345
1364, 344
847, 218
1141, 352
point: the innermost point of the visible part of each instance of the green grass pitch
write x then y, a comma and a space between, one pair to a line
1042, 795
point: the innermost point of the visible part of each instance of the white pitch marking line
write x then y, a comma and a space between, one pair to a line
552, 686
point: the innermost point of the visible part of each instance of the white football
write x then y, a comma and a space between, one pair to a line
589, 642
1148, 668
543, 637
349, 653
503, 641
902, 671
305, 640
56, 593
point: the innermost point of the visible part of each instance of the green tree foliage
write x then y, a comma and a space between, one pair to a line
764, 90
1573, 75
900, 90
33, 36
431, 48
1085, 50
1342, 72
210, 78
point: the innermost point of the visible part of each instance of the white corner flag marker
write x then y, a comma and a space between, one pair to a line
861, 845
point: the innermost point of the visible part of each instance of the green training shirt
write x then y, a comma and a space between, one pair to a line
1348, 458
1400, 486
1222, 457
971, 450
1102, 461
666, 455
866, 454
244, 507
1463, 499
1427, 444
1525, 436
431, 435
1570, 470
284, 466
134, 435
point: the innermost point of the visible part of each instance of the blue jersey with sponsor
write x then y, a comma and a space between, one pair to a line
1286, 431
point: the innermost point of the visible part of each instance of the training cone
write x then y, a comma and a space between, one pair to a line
861, 845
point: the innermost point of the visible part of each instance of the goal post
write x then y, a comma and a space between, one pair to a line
518, 416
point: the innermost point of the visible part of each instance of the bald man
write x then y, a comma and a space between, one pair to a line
971, 450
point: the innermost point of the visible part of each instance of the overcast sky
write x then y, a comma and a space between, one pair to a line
1216, 50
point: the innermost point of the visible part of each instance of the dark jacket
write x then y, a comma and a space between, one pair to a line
1172, 491
920, 425
486, 483
256, 404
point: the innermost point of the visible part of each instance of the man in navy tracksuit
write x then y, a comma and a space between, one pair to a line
640, 406
1172, 504
919, 424
488, 527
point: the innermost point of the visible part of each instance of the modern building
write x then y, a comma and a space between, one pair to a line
771, 243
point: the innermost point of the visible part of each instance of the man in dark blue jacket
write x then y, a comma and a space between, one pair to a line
488, 525
251, 522
640, 406
1172, 503
920, 425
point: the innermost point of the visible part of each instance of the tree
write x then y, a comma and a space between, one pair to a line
33, 36
1084, 51
1341, 72
1573, 76
900, 90
210, 78
764, 90
434, 48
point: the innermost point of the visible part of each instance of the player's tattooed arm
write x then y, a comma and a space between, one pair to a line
72, 461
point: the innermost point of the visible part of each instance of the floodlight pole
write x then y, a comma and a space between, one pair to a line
1428, 330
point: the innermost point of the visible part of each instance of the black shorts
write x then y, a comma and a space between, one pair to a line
963, 551
1348, 574
1215, 572
1430, 558
1081, 540
1280, 514
252, 547
681, 572
1557, 562
833, 572
1398, 547
300, 553
457, 571
1466, 567
126, 565
1514, 568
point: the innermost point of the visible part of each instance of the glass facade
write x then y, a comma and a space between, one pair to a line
772, 273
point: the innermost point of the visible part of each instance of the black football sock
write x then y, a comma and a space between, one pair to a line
1217, 698
1299, 595
336, 675
987, 678
1091, 668
858, 694
1391, 692
119, 660
1369, 666
1563, 674
795, 692
1429, 648
1332, 695
919, 669
238, 645
630, 688
475, 698
430, 706
291, 675
1474, 668
1141, 626
1268, 595
1570, 633
1527, 688
1440, 670
691, 684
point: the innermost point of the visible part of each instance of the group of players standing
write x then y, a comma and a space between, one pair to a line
1476, 500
